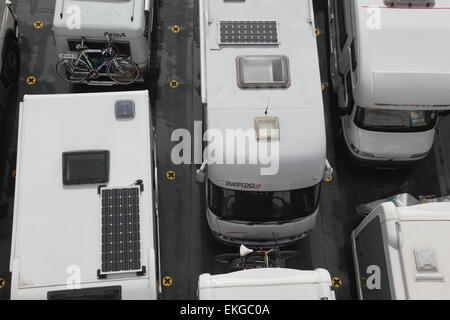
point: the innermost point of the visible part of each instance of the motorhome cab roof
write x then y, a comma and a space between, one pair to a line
81, 160
402, 59
119, 18
410, 246
267, 284
262, 54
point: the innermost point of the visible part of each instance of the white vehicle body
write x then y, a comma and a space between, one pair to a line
267, 284
127, 22
298, 107
402, 252
389, 89
58, 230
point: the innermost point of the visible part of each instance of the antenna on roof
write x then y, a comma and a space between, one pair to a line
267, 108
62, 10
132, 15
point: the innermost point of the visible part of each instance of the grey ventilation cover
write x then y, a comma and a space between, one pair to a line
425, 259
267, 128
125, 109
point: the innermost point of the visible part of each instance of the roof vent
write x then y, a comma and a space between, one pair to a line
409, 3
267, 128
263, 72
425, 259
125, 109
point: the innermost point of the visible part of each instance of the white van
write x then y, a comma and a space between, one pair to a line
84, 210
127, 22
267, 284
259, 71
389, 87
402, 252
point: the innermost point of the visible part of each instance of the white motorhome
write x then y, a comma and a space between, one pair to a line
389, 88
267, 284
127, 22
84, 210
260, 70
402, 252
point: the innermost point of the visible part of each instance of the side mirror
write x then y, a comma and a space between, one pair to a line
342, 111
200, 175
328, 176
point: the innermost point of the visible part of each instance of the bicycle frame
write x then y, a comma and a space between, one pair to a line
266, 257
82, 63
85, 55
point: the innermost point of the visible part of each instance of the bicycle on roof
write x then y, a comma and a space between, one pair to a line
89, 64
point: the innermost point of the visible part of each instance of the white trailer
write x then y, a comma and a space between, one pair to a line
402, 252
128, 22
267, 284
84, 209
260, 70
390, 70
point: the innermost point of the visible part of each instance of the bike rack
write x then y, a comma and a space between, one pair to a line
106, 83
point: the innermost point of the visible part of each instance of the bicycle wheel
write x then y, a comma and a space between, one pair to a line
72, 70
123, 71
227, 258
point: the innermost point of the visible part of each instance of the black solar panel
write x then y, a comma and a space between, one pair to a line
121, 251
248, 32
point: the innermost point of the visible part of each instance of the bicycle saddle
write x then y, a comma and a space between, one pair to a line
80, 47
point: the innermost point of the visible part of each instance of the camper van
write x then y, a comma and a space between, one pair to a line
401, 252
260, 75
267, 284
84, 224
389, 89
91, 24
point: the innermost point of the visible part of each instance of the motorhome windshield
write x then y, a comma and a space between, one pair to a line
263, 206
395, 120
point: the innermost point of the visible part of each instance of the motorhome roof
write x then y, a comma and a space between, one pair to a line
265, 284
297, 42
299, 106
421, 228
120, 18
403, 59
57, 226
